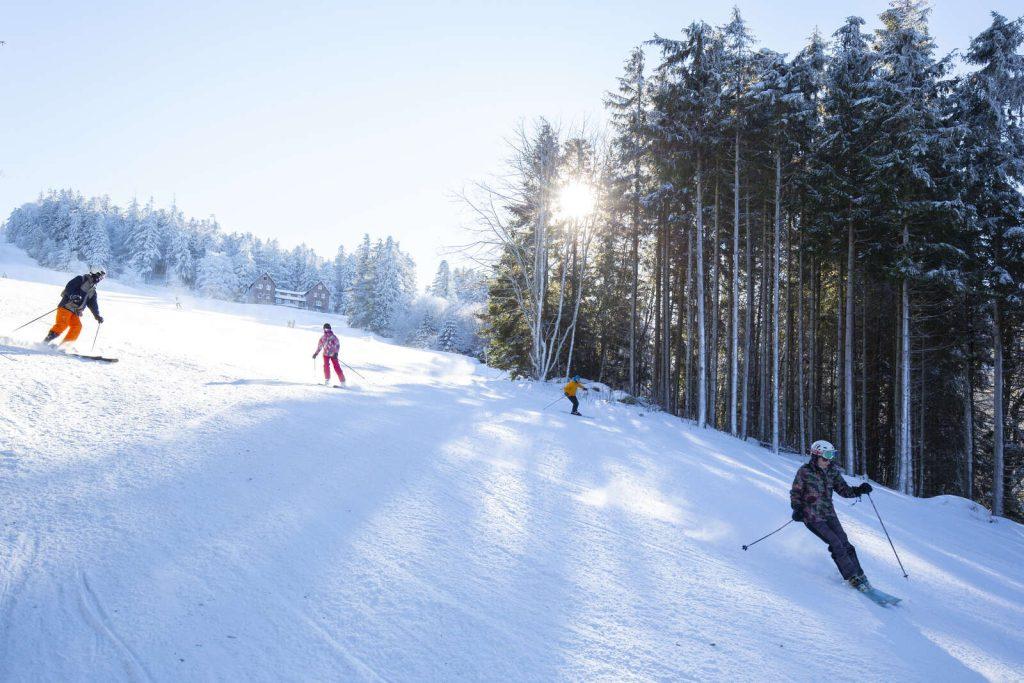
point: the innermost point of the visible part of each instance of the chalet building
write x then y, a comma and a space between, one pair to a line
265, 291
262, 291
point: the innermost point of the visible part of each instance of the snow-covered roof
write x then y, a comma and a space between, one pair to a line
264, 275
290, 296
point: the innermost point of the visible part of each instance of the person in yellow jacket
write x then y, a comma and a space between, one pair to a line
570, 390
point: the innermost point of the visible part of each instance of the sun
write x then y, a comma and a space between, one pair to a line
576, 200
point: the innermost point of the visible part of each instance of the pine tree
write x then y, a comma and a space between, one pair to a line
144, 242
629, 114
448, 337
341, 280
442, 284
909, 142
361, 302
990, 102
389, 293
96, 246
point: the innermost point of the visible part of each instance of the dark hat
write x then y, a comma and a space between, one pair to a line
327, 326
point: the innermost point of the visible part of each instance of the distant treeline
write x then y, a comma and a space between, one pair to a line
375, 285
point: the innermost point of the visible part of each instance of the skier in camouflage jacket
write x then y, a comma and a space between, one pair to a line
811, 500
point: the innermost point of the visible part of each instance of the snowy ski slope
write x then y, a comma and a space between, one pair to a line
202, 511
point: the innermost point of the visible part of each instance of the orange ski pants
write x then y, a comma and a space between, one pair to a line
66, 320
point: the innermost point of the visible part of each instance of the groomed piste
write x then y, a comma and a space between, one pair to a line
203, 510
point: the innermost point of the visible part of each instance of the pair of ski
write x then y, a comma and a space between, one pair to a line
83, 356
102, 359
878, 597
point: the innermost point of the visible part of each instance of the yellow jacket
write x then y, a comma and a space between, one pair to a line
572, 387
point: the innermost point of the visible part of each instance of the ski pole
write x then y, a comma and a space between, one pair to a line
91, 350
352, 369
551, 404
34, 319
767, 535
905, 576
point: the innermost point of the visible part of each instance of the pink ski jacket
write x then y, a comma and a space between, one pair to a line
329, 343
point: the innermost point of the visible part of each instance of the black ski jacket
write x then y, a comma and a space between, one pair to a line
80, 293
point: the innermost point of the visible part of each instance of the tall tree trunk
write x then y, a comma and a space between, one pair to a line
897, 380
812, 388
787, 359
734, 356
800, 344
657, 364
702, 351
689, 324
666, 326
747, 331
635, 258
837, 364
679, 336
921, 404
968, 394
905, 478
764, 330
863, 466
715, 310
998, 416
849, 455
775, 302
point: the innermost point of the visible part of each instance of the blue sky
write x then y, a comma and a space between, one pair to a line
317, 121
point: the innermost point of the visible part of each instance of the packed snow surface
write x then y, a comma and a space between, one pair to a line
202, 510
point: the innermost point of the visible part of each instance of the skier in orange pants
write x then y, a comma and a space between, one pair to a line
78, 294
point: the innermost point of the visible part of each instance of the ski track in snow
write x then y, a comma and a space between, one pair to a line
201, 510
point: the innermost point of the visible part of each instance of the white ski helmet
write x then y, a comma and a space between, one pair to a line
824, 449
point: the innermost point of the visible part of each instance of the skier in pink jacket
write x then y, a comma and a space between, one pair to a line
330, 344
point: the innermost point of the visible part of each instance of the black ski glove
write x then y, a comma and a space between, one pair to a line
863, 488
99, 319
798, 515
314, 355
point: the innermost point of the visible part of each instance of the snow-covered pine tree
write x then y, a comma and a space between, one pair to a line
910, 142
448, 337
389, 291
738, 43
96, 242
424, 335
685, 120
144, 243
442, 284
629, 116
342, 274
217, 276
990, 104
361, 302
469, 286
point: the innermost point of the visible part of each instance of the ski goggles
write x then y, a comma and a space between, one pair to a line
829, 455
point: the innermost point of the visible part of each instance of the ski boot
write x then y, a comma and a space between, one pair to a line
860, 582
51, 335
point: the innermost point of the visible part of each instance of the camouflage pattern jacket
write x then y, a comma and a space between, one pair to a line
812, 491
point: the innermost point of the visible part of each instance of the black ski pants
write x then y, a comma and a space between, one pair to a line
843, 553
575, 403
